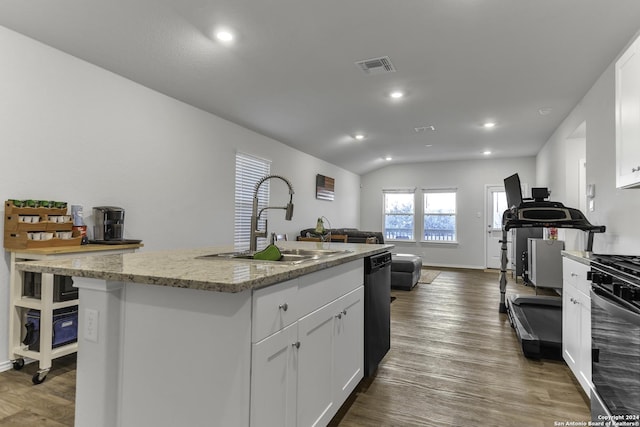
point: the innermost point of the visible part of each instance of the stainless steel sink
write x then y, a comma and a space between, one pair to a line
289, 256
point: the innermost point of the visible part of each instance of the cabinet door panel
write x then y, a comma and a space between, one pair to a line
571, 328
322, 287
273, 379
315, 355
349, 344
628, 117
575, 274
585, 343
274, 307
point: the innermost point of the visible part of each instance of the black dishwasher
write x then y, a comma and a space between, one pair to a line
377, 310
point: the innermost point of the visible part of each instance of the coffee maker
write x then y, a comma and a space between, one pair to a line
109, 223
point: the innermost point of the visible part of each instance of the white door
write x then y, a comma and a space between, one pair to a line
496, 204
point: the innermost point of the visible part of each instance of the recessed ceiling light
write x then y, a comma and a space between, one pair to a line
489, 125
388, 158
396, 94
359, 136
545, 111
424, 128
428, 145
486, 153
224, 36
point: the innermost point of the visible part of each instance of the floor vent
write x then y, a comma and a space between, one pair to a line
375, 66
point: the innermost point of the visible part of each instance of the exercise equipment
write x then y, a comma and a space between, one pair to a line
537, 320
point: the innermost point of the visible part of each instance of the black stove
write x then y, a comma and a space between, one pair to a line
628, 264
619, 275
615, 337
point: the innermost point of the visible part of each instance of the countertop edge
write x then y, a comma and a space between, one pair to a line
259, 281
579, 256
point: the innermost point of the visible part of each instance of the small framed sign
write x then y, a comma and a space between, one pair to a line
324, 187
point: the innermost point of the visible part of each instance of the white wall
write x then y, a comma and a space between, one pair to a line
616, 209
74, 132
470, 178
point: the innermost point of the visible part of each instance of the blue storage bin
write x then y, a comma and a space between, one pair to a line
65, 328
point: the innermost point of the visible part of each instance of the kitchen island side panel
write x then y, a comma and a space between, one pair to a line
99, 352
186, 357
164, 356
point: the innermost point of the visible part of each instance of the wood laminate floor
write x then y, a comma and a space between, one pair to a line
454, 361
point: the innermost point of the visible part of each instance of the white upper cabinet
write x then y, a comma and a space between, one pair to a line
628, 117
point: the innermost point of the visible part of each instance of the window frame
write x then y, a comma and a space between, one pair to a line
412, 192
249, 169
423, 207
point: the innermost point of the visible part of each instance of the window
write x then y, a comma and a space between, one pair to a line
499, 205
439, 207
399, 215
249, 170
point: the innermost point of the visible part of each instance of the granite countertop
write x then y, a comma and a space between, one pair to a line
579, 256
182, 269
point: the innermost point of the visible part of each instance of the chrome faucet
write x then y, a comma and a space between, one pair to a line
255, 215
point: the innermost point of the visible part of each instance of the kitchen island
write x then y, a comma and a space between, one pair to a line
168, 338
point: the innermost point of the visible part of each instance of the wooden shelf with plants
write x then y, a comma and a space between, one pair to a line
27, 227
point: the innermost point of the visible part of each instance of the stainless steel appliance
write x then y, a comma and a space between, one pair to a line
109, 223
615, 332
377, 310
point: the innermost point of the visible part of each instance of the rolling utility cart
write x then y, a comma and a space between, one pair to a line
43, 315
50, 295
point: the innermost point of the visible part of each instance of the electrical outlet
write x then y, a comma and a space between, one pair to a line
91, 325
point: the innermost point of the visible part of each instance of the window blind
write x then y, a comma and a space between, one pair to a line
249, 170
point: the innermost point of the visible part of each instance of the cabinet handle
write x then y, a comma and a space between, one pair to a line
296, 344
339, 315
344, 311
574, 274
284, 307
635, 169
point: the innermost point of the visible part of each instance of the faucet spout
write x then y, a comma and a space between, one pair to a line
255, 214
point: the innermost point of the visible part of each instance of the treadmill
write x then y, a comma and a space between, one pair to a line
537, 320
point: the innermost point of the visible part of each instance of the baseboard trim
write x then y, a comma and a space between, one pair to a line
6, 365
466, 267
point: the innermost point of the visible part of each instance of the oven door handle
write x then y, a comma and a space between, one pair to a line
600, 298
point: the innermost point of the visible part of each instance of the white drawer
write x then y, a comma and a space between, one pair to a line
274, 308
322, 287
574, 274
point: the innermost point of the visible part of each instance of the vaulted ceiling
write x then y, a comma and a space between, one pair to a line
290, 72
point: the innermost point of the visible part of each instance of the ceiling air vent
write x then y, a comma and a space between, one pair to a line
374, 66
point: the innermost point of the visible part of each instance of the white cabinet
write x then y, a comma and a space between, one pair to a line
330, 357
315, 383
304, 368
627, 70
19, 303
348, 353
274, 368
576, 321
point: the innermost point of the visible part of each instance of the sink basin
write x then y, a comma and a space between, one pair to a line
313, 252
289, 256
